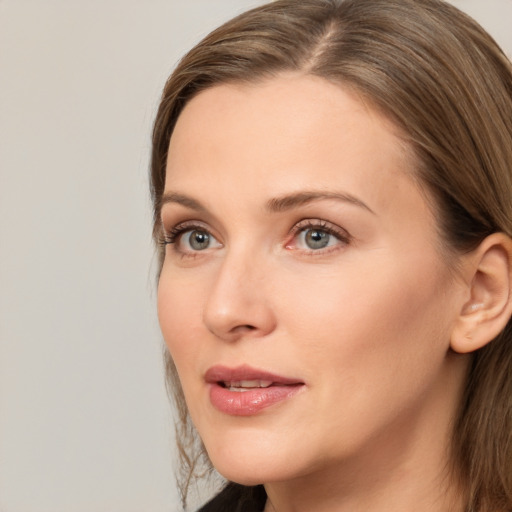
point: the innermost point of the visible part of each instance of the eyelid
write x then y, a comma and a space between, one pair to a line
342, 235
173, 236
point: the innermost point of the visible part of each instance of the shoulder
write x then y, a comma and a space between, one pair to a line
237, 498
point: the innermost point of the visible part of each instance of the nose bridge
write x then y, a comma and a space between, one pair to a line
237, 303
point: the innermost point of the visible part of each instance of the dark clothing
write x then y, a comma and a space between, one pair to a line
237, 498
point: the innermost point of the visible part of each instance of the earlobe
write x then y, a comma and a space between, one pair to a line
489, 307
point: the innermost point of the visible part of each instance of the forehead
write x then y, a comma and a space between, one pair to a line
290, 131
291, 105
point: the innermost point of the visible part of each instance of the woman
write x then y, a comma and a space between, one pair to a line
331, 183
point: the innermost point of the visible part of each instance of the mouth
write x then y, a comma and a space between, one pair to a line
245, 391
240, 386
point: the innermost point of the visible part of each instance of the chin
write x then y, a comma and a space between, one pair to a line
241, 479
253, 461
250, 474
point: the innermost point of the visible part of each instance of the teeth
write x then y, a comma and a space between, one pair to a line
245, 385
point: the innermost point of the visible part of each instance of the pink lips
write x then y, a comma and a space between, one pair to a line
244, 391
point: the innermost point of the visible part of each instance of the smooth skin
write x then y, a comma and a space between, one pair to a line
300, 244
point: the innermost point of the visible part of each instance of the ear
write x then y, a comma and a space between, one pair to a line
488, 274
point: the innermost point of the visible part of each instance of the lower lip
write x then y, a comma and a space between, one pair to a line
252, 401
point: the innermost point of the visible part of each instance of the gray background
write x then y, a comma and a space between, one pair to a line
84, 421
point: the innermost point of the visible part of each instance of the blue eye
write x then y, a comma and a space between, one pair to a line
316, 238
315, 235
197, 240
190, 239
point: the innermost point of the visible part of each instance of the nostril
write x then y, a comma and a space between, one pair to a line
243, 328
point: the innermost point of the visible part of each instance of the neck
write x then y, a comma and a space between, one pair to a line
400, 489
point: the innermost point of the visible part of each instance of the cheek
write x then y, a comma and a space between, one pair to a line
178, 313
366, 321
373, 342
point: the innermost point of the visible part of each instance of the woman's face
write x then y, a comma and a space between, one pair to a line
303, 295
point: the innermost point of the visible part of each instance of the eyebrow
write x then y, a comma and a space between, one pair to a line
182, 199
275, 205
290, 201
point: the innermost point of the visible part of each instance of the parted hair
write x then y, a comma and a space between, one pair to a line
446, 84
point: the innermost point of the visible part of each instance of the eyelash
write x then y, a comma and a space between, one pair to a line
321, 225
173, 235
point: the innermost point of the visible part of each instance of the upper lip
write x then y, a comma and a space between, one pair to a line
220, 373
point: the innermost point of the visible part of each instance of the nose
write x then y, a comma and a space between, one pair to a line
238, 304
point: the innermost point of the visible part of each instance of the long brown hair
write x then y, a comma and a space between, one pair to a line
442, 79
